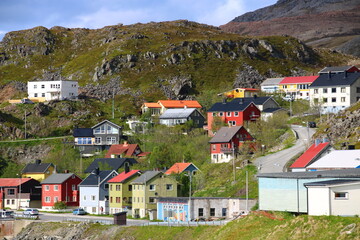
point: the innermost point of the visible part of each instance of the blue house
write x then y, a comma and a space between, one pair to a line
286, 191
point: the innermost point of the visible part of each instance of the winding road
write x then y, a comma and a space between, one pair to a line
276, 162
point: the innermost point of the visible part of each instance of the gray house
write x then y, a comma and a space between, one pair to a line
176, 116
97, 138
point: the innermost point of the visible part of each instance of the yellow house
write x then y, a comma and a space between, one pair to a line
297, 87
146, 188
120, 191
38, 171
240, 93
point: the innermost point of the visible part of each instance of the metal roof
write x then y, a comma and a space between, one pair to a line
108, 122
145, 177
338, 159
83, 132
335, 69
343, 173
331, 182
237, 104
113, 163
177, 113
271, 81
36, 167
339, 79
225, 134
94, 180
57, 178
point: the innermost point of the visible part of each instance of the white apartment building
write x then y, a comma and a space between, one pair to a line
335, 92
41, 91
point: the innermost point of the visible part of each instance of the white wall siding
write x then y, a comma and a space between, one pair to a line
318, 201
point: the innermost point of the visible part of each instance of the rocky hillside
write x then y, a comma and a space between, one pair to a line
320, 23
176, 60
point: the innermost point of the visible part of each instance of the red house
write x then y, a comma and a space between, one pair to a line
125, 150
60, 187
235, 113
226, 143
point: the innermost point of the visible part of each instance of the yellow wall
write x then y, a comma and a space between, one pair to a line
39, 176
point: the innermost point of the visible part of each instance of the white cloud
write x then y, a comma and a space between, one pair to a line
223, 13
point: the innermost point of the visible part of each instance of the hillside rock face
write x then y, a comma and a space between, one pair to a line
175, 60
310, 21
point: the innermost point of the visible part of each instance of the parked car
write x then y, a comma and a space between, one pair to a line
26, 101
6, 214
31, 211
79, 211
288, 98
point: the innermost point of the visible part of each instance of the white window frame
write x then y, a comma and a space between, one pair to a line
56, 188
152, 187
47, 199
47, 188
345, 197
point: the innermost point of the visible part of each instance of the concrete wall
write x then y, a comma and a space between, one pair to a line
345, 207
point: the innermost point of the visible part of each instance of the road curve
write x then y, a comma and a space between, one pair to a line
276, 162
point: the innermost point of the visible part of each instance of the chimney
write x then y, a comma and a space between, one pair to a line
255, 96
125, 144
229, 124
329, 74
38, 161
127, 167
66, 171
113, 156
97, 171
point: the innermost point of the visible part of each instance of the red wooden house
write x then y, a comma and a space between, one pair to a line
60, 187
226, 143
235, 113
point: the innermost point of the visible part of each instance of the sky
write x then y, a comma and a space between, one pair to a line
24, 14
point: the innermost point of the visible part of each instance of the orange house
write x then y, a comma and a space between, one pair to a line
162, 105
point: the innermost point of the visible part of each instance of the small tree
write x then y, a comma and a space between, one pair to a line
60, 205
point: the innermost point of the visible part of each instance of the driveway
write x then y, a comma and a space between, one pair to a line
276, 162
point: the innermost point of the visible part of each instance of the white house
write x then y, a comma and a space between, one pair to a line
271, 85
41, 91
333, 92
94, 192
334, 197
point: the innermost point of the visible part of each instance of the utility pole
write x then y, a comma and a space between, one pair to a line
25, 124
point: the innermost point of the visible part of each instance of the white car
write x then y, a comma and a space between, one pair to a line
31, 211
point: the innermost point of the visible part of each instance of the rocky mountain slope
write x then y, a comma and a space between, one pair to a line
176, 60
320, 23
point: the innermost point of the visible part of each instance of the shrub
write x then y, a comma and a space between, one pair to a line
60, 205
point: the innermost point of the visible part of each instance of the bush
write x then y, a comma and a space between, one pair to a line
60, 205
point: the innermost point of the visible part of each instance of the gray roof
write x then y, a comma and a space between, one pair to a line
271, 81
339, 79
93, 179
335, 69
343, 173
107, 121
145, 177
331, 182
57, 178
225, 134
177, 113
36, 167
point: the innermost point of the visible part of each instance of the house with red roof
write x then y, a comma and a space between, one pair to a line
60, 187
162, 105
297, 87
120, 191
125, 150
178, 168
226, 143
240, 93
312, 154
16, 193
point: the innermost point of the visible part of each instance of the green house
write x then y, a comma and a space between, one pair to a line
146, 188
120, 191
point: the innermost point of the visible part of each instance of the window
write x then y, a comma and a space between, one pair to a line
316, 91
35, 94
47, 199
333, 90
118, 187
56, 188
201, 212
169, 187
93, 209
84, 197
47, 187
130, 199
214, 114
43, 95
325, 90
212, 212
93, 197
11, 191
111, 200
118, 200
84, 140
341, 195
35, 86
228, 114
73, 187
236, 114
106, 186
56, 199
342, 99
325, 100
42, 86
223, 212
74, 198
111, 187
213, 147
343, 90
221, 114
8, 201
152, 187
98, 140
333, 99
151, 200
111, 140
12, 201
130, 188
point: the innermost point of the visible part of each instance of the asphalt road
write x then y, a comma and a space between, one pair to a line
276, 162
59, 217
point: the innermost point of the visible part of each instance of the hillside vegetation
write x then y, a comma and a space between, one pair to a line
258, 225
